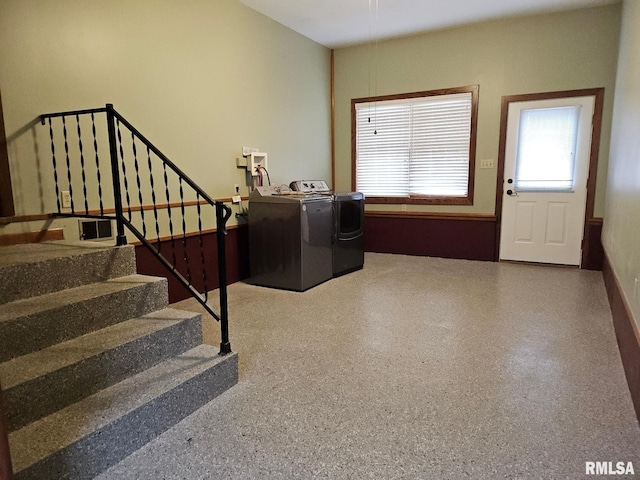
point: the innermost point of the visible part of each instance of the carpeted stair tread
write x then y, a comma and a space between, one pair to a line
106, 427
36, 269
42, 382
36, 364
34, 323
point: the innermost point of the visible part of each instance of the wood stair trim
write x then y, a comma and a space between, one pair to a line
47, 235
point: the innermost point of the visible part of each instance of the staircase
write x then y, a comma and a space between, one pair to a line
93, 365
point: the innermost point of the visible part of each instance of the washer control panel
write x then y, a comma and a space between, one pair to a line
310, 186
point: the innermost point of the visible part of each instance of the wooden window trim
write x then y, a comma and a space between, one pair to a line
423, 199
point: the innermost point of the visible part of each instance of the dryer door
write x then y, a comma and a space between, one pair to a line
349, 215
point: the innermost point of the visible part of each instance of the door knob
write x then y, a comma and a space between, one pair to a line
510, 192
510, 180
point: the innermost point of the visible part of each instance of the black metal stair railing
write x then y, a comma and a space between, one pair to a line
142, 176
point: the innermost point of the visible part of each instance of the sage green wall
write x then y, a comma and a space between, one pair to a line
199, 78
621, 232
562, 51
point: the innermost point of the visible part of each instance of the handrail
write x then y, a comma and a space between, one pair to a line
126, 123
71, 113
162, 156
77, 160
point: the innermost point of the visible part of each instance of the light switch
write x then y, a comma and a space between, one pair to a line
486, 163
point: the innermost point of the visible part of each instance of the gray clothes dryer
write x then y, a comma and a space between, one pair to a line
348, 232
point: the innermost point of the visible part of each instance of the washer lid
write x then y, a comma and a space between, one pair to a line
271, 194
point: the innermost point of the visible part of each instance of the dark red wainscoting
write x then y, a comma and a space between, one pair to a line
626, 334
237, 248
469, 237
464, 236
593, 253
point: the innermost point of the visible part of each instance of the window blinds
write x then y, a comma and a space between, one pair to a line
547, 148
414, 146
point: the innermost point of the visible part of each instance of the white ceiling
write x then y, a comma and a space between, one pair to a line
337, 23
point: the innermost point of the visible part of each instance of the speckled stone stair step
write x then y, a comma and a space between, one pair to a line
48, 380
90, 436
34, 323
41, 268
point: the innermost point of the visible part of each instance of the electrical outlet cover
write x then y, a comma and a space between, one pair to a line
249, 150
65, 199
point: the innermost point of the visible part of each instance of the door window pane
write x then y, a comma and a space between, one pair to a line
547, 148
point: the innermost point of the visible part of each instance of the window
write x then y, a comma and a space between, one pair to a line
416, 147
547, 148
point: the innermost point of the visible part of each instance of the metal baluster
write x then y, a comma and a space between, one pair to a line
222, 215
124, 170
135, 163
153, 198
121, 238
66, 151
204, 267
166, 190
117, 156
84, 175
184, 232
55, 166
95, 149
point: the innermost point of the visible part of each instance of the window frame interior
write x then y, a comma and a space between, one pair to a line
422, 199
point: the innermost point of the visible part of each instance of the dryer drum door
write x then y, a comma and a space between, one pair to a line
349, 222
348, 232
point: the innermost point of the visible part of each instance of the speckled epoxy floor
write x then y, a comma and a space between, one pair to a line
412, 368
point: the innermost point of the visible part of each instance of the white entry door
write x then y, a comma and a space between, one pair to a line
546, 167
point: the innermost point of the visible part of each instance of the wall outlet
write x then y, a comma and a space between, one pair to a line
236, 194
488, 163
65, 199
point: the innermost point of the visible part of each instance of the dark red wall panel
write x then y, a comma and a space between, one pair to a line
464, 236
237, 249
593, 257
471, 238
626, 335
